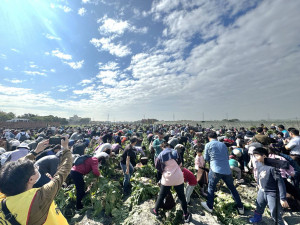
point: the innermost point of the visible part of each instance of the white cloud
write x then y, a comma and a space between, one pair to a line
33, 66
65, 8
107, 73
94, 2
109, 81
136, 12
108, 66
15, 50
113, 26
62, 90
75, 65
14, 81
60, 55
51, 37
165, 5
3, 56
34, 73
7, 68
118, 27
105, 44
52, 70
108, 77
85, 82
81, 11
88, 90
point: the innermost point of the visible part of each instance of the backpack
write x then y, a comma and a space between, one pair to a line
80, 159
23, 137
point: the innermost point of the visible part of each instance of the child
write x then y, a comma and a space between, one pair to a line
191, 181
201, 173
267, 189
234, 166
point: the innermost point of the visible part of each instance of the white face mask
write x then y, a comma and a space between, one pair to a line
38, 178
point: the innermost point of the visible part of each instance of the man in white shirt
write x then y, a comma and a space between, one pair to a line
294, 145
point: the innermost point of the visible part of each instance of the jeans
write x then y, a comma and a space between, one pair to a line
126, 182
261, 202
188, 192
163, 193
79, 184
213, 179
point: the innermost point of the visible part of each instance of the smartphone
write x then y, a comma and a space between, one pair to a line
55, 140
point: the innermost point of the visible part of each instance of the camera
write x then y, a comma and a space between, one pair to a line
55, 140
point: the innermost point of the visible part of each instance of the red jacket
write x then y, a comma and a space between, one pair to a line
189, 177
90, 164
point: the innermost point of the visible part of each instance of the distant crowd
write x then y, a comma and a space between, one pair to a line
35, 163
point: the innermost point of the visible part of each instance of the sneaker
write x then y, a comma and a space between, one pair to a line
241, 210
152, 210
246, 169
187, 217
205, 206
256, 218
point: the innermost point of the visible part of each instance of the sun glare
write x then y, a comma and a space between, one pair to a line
24, 18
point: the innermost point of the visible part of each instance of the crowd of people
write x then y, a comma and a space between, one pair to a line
36, 162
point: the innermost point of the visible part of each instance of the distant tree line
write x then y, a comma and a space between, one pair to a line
231, 120
32, 117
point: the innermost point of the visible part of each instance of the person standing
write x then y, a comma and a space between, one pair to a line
217, 154
168, 162
30, 205
126, 165
157, 145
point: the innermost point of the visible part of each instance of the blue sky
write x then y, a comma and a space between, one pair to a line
152, 59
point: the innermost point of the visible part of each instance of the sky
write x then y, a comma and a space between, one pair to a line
166, 59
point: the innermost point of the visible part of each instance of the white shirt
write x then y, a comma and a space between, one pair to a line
294, 145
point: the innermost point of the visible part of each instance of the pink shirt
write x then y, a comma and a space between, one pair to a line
199, 162
172, 175
90, 164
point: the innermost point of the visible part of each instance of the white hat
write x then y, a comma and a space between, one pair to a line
14, 143
104, 146
101, 154
23, 145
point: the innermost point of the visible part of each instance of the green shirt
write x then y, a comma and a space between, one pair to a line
156, 145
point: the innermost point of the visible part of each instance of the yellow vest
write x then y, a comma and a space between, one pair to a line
20, 206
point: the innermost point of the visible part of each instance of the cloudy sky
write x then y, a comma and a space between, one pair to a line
154, 59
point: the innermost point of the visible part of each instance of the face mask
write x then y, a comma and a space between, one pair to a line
38, 178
